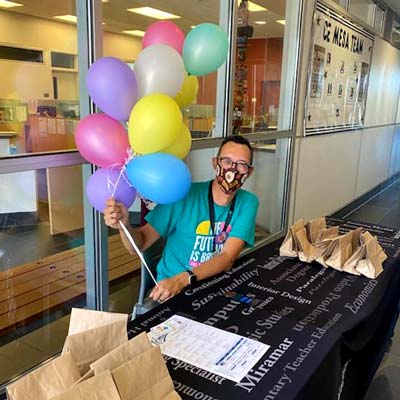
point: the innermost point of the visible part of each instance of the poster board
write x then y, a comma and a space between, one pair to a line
338, 73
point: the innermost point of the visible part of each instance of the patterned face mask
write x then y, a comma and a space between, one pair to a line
229, 179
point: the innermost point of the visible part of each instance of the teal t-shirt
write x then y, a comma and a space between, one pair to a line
186, 227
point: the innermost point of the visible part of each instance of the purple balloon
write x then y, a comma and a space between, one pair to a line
112, 86
101, 185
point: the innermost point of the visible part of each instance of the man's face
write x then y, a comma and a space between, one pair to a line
232, 166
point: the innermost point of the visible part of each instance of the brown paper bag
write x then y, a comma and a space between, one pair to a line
88, 346
341, 252
145, 377
289, 246
371, 265
160, 390
173, 396
89, 374
358, 253
327, 234
314, 228
351, 264
100, 387
82, 320
307, 252
122, 354
324, 244
47, 381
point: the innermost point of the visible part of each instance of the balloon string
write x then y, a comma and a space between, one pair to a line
117, 182
139, 253
114, 186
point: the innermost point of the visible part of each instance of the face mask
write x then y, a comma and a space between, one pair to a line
229, 179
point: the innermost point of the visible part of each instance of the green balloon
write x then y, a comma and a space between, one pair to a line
205, 49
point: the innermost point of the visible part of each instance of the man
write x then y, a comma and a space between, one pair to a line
205, 231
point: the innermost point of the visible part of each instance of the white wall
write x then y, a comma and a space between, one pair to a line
331, 170
395, 156
326, 173
374, 164
18, 192
383, 86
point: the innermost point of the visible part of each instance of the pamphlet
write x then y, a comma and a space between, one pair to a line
215, 350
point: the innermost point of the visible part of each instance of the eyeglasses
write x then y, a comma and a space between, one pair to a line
240, 166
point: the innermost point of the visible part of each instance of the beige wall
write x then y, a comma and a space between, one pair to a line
18, 29
24, 80
67, 85
124, 47
38, 33
27, 80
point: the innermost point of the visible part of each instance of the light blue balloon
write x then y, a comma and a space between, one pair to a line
160, 177
205, 49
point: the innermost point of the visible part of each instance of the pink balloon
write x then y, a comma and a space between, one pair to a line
102, 140
164, 32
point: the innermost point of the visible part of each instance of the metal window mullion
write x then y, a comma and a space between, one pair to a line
90, 48
224, 101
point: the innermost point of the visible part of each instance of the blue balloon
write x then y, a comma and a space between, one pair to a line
205, 49
160, 177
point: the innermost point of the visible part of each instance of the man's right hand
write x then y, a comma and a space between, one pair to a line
115, 212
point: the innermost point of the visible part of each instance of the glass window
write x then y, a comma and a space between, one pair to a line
363, 10
122, 38
343, 3
42, 263
379, 21
39, 101
258, 68
42, 254
63, 60
20, 54
123, 32
396, 32
270, 159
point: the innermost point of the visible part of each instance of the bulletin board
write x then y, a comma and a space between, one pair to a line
338, 73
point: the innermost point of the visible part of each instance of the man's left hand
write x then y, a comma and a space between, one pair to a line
168, 288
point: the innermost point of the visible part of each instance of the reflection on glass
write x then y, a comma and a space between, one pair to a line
364, 10
123, 32
267, 182
259, 49
42, 263
39, 94
396, 32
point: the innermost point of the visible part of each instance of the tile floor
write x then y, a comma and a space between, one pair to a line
384, 209
42, 343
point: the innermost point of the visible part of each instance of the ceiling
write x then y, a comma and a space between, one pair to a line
394, 5
193, 12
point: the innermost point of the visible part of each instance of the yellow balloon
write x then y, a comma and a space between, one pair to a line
154, 123
181, 147
188, 91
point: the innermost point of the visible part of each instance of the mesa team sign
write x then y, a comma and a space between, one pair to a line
338, 75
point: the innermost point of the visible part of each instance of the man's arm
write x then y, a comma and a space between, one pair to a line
215, 265
144, 236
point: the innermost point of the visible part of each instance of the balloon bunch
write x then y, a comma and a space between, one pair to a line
149, 159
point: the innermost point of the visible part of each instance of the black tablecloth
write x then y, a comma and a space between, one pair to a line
326, 328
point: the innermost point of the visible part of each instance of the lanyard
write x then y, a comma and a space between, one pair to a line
223, 234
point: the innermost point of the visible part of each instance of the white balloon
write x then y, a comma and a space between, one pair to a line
159, 69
